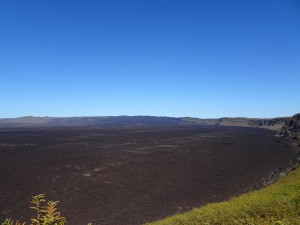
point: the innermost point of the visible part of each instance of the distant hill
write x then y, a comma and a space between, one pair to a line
92, 121
285, 126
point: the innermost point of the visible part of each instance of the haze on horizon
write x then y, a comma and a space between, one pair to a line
205, 59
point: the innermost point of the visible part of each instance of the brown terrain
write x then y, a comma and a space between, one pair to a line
129, 175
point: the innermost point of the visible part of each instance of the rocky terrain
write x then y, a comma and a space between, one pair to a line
130, 170
132, 175
291, 128
287, 127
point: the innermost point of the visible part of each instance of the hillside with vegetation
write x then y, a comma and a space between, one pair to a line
278, 204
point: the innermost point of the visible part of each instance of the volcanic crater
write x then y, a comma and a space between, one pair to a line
134, 174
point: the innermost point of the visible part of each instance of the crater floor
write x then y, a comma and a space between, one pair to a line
132, 175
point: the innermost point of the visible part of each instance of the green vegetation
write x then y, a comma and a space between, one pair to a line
278, 204
46, 214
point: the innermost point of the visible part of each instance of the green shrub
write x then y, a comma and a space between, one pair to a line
47, 213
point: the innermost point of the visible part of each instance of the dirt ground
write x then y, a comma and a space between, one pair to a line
132, 175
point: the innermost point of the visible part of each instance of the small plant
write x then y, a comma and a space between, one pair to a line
47, 214
10, 222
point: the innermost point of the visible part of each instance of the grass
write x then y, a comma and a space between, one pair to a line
277, 204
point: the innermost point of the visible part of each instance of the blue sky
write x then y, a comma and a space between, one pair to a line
150, 57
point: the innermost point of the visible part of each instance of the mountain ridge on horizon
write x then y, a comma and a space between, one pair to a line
108, 116
288, 127
137, 120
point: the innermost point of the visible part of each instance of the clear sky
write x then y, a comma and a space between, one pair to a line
150, 57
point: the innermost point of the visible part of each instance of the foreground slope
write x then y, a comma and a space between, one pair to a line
278, 204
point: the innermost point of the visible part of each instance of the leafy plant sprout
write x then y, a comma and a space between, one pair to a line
47, 213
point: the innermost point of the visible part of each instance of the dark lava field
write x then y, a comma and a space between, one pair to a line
132, 175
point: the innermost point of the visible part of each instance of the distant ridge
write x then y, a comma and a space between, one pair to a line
288, 127
92, 121
31, 121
